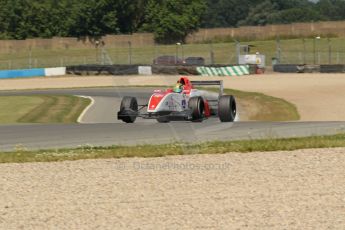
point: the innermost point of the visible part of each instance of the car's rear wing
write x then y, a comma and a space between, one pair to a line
210, 83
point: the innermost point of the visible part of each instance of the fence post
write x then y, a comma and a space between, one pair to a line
103, 56
329, 51
182, 51
238, 51
130, 52
30, 57
314, 50
318, 51
211, 54
96, 46
278, 49
304, 53
156, 51
176, 54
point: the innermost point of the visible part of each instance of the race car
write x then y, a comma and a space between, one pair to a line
184, 104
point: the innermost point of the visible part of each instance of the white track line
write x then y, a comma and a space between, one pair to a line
237, 118
80, 118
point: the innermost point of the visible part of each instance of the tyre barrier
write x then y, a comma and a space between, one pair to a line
168, 70
294, 68
286, 68
103, 70
216, 70
332, 68
311, 69
174, 70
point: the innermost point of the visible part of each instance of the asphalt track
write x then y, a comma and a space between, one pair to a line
100, 127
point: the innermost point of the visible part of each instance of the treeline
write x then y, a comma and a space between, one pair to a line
233, 13
169, 20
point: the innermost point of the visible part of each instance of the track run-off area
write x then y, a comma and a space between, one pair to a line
99, 125
302, 189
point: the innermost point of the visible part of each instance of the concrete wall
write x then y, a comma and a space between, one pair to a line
29, 73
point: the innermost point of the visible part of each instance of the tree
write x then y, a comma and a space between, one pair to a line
294, 15
282, 12
260, 14
225, 13
172, 20
94, 18
130, 15
331, 9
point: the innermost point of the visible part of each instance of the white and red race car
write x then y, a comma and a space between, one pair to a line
190, 104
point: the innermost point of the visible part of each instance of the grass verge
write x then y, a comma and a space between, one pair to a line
41, 109
261, 107
89, 152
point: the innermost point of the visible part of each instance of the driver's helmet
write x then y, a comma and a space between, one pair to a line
178, 88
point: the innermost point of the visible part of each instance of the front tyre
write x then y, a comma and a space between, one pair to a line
128, 110
227, 108
197, 107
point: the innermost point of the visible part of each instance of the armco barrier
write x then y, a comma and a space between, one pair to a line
224, 71
25, 73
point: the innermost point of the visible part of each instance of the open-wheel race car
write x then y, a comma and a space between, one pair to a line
182, 103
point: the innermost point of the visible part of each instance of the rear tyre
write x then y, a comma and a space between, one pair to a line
197, 106
128, 110
227, 108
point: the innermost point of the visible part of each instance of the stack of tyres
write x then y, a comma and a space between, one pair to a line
286, 68
332, 68
103, 70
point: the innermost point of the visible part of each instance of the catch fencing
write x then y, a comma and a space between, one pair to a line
311, 51
127, 54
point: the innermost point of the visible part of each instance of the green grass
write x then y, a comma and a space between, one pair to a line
15, 107
41, 109
292, 51
89, 152
261, 107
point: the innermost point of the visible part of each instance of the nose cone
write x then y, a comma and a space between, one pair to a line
155, 100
